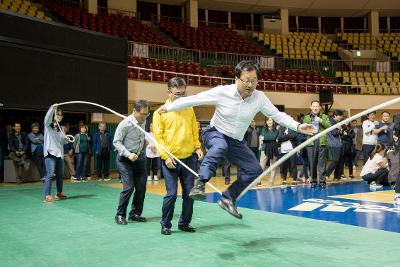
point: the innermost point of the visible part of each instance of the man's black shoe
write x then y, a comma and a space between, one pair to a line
322, 185
120, 220
187, 228
136, 218
165, 231
229, 206
313, 184
197, 192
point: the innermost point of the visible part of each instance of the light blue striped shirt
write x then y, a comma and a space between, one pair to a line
128, 138
53, 140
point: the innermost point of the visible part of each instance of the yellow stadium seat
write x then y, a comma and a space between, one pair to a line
364, 90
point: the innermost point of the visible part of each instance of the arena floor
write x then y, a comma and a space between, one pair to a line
341, 226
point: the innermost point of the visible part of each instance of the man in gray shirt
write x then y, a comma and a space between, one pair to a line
129, 141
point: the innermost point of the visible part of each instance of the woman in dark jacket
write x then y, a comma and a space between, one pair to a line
347, 135
269, 135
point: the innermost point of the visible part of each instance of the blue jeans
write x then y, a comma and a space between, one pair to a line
186, 179
356, 157
81, 164
238, 153
133, 177
367, 150
53, 165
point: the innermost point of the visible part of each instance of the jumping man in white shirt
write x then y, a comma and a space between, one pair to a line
235, 107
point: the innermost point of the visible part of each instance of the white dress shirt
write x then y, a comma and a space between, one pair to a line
151, 151
233, 114
369, 138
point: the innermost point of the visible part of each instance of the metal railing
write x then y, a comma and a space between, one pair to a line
337, 30
117, 11
290, 87
216, 24
156, 19
68, 2
316, 30
168, 53
219, 58
325, 67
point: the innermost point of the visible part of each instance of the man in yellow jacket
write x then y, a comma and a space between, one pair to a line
179, 133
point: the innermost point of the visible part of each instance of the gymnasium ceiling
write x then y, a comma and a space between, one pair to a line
323, 8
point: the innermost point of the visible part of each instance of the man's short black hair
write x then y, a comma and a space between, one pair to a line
315, 101
35, 124
177, 82
338, 112
247, 65
140, 103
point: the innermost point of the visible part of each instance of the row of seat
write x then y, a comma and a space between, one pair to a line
379, 90
123, 26
388, 43
24, 8
205, 38
375, 77
215, 81
298, 45
168, 65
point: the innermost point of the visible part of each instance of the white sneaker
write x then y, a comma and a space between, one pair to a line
75, 180
155, 178
106, 179
374, 186
88, 178
149, 178
284, 184
397, 200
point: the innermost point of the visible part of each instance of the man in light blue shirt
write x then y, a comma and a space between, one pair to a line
129, 141
235, 107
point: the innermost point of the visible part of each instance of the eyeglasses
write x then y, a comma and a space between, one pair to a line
182, 94
249, 82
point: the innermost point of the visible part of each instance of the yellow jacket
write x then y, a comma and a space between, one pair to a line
177, 131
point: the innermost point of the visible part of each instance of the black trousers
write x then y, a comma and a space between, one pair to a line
291, 166
255, 151
103, 163
334, 165
347, 157
153, 165
38, 160
133, 177
379, 177
397, 185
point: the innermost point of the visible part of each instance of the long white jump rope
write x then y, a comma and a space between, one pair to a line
142, 130
267, 171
